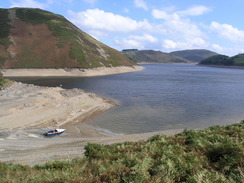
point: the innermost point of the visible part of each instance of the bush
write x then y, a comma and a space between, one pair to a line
215, 154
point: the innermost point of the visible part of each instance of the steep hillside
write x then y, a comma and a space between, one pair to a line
237, 60
152, 56
33, 38
195, 55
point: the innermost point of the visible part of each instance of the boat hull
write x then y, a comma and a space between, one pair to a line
54, 132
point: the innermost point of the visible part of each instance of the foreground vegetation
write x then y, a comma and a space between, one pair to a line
3, 82
215, 154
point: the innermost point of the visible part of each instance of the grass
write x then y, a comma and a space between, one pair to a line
152, 56
4, 28
215, 154
77, 52
4, 35
4, 82
56, 23
239, 60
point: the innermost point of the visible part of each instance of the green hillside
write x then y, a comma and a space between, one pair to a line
237, 60
151, 56
195, 55
33, 38
212, 155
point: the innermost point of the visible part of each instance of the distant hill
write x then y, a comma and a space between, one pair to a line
33, 38
151, 56
237, 60
195, 55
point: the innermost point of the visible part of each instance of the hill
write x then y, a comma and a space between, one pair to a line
215, 154
237, 60
151, 56
195, 55
34, 38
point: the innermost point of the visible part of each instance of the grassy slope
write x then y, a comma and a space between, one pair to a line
212, 155
237, 60
47, 40
195, 55
152, 56
4, 32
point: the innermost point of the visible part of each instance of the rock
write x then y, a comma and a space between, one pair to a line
71, 93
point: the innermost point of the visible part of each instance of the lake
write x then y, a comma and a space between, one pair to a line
163, 97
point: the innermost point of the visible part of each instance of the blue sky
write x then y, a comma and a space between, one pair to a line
165, 25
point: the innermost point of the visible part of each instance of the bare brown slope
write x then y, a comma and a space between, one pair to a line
41, 39
35, 46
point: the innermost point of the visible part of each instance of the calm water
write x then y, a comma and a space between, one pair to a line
164, 96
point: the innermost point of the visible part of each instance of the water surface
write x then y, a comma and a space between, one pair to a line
163, 97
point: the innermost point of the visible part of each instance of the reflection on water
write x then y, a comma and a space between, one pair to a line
164, 96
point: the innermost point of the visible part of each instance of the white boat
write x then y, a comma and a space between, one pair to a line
54, 132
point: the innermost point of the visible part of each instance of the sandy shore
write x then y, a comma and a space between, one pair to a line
69, 72
27, 106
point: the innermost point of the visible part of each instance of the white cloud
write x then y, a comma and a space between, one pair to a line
97, 34
169, 14
227, 31
199, 42
230, 51
135, 41
194, 11
186, 44
169, 44
160, 14
95, 19
176, 26
144, 38
141, 4
29, 4
128, 43
217, 48
181, 32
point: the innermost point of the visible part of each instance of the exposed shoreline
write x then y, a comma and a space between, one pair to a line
25, 106
27, 110
100, 71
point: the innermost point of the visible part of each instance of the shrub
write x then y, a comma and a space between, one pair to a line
215, 154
